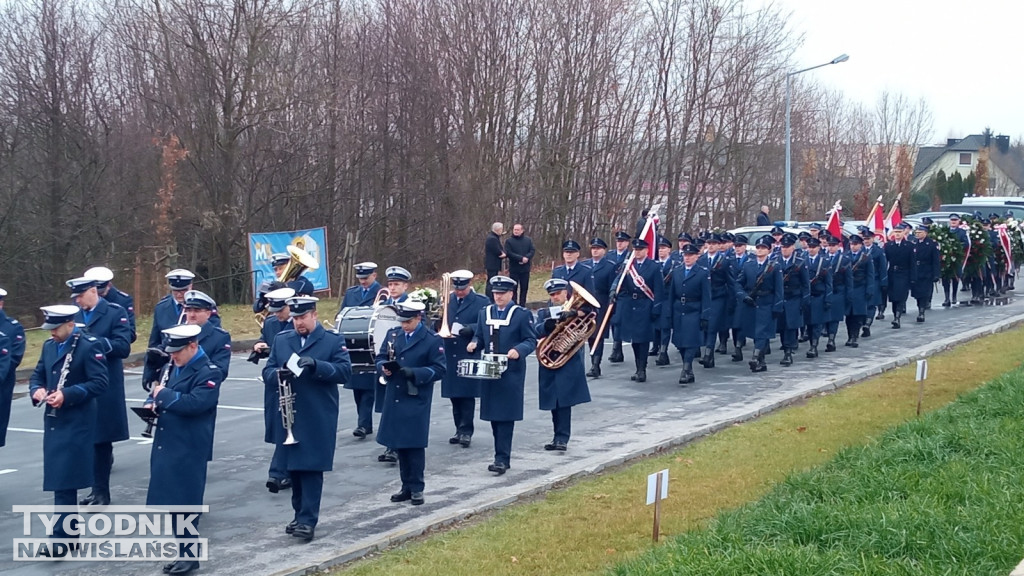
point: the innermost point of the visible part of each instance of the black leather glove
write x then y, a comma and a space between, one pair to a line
466, 331
566, 315
408, 373
147, 386
703, 324
276, 285
306, 362
254, 357
549, 325
749, 301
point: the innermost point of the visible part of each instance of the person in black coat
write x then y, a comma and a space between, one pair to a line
109, 324
951, 285
363, 382
70, 374
559, 389
494, 252
687, 307
15, 346
816, 313
519, 249
323, 363
663, 331
504, 329
899, 254
762, 217
759, 291
723, 292
464, 306
861, 290
740, 257
398, 285
926, 269
103, 277
881, 281
602, 274
278, 321
186, 408
405, 426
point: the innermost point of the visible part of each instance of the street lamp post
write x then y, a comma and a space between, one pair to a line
789, 181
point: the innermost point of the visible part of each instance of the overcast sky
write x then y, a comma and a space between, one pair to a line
963, 57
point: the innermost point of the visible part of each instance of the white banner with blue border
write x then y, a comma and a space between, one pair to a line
263, 244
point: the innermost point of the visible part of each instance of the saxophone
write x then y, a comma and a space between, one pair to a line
287, 403
64, 370
569, 335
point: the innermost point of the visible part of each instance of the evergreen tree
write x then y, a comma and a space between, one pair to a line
939, 190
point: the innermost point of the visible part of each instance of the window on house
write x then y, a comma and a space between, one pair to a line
991, 184
965, 158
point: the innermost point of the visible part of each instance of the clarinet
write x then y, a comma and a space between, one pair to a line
151, 422
65, 369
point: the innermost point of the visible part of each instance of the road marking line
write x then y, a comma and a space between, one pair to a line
8, 471
224, 406
25, 430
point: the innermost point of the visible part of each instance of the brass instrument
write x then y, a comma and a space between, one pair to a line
299, 262
568, 337
64, 370
446, 285
286, 399
382, 296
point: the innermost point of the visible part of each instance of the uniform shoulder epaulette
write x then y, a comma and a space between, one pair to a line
165, 298
213, 367
123, 293
90, 338
14, 321
220, 329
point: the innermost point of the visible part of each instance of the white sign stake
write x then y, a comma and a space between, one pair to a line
657, 490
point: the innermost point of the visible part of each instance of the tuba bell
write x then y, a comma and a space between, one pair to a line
568, 337
299, 262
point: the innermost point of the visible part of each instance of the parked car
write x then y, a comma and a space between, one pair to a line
1017, 210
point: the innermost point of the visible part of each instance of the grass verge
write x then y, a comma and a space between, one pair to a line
602, 521
941, 495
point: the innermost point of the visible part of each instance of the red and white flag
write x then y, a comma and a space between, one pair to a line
835, 223
895, 217
876, 220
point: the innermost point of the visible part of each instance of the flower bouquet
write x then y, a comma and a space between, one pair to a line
979, 248
951, 251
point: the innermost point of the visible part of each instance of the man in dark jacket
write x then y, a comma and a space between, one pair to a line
520, 251
926, 269
762, 217
493, 253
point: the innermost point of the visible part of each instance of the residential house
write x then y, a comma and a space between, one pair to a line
1005, 166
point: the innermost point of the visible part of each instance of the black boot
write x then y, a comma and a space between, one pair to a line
737, 354
896, 320
853, 341
662, 357
616, 355
709, 359
881, 313
787, 357
641, 369
654, 347
768, 349
757, 364
595, 369
813, 352
804, 336
920, 314
686, 377
830, 346
723, 347
865, 332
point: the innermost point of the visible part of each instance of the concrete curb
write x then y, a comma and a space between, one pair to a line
444, 518
1019, 570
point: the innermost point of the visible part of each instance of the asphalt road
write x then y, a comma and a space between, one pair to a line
245, 524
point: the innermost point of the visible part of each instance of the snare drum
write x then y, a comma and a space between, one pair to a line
364, 329
488, 367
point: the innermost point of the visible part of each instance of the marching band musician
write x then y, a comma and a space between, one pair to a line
363, 384
108, 322
398, 283
183, 440
170, 310
323, 363
796, 291
602, 273
198, 309
103, 277
279, 321
688, 308
639, 306
819, 271
15, 347
69, 386
464, 306
622, 250
504, 328
301, 284
561, 388
759, 288
405, 425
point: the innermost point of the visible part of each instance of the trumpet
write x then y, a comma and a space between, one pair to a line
287, 403
446, 286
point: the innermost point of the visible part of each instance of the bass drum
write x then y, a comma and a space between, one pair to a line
364, 329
